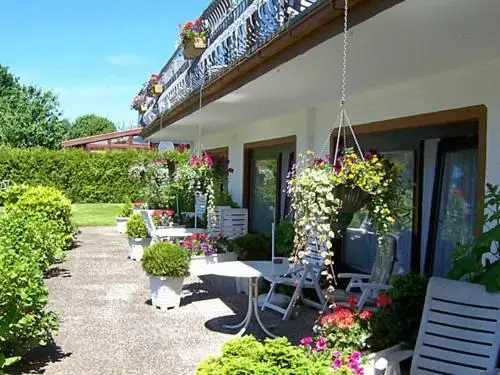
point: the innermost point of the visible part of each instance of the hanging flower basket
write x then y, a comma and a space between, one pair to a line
194, 39
157, 89
325, 196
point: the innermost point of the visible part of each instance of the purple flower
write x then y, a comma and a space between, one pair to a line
353, 365
355, 356
336, 354
321, 344
307, 341
337, 364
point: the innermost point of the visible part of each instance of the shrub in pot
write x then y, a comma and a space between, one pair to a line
138, 237
166, 264
122, 217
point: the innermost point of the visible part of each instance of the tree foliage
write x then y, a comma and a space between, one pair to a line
29, 116
88, 125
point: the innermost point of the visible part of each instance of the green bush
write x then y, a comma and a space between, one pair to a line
84, 177
34, 235
253, 246
284, 235
408, 299
136, 227
125, 210
47, 203
247, 356
24, 322
12, 194
166, 259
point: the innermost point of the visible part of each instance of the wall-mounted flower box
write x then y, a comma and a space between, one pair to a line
194, 39
157, 89
143, 108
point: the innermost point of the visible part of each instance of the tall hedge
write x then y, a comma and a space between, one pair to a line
83, 177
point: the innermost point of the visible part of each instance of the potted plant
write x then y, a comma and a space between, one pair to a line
326, 193
138, 237
166, 265
204, 250
155, 87
122, 217
193, 38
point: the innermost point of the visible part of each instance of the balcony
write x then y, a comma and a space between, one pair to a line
237, 28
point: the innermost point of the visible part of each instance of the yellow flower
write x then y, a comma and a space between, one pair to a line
390, 219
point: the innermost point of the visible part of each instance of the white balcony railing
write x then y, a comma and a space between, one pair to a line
236, 29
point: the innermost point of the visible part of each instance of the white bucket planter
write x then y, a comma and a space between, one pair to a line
199, 263
121, 224
165, 291
376, 362
137, 246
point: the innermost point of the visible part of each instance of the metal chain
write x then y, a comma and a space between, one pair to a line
344, 58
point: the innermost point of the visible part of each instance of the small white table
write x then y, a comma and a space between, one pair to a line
252, 270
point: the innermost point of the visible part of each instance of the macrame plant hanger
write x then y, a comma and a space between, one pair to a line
342, 122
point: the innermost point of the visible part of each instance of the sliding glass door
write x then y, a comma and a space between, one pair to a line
454, 205
268, 167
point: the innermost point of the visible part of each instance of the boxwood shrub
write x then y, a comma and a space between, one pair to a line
46, 203
136, 227
248, 356
166, 259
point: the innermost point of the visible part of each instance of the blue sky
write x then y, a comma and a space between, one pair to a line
94, 54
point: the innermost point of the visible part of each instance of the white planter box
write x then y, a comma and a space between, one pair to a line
377, 363
165, 291
121, 224
137, 246
199, 263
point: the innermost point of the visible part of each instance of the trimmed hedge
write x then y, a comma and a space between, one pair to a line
84, 177
35, 231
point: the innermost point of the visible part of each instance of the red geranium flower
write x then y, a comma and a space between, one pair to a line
170, 212
365, 315
188, 25
198, 22
342, 318
383, 301
352, 300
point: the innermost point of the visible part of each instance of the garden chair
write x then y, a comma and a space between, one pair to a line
300, 276
166, 234
370, 285
459, 333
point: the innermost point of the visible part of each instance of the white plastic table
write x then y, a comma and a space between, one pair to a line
251, 270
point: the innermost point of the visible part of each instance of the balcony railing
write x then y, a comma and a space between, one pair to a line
236, 29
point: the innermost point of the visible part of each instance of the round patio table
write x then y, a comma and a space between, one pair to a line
251, 270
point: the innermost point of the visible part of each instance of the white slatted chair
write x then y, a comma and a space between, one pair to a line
166, 234
301, 276
459, 333
150, 226
367, 287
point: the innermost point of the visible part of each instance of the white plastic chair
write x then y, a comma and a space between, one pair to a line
459, 333
370, 285
300, 276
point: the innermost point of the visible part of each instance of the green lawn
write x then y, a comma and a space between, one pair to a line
95, 214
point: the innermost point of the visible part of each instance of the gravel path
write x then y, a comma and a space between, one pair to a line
109, 327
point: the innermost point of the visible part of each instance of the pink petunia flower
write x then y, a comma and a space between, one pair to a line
307, 341
321, 344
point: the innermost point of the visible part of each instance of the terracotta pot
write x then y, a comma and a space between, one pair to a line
193, 48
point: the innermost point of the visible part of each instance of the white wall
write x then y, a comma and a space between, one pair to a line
461, 88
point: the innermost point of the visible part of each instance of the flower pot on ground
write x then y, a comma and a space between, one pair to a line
138, 237
166, 265
204, 250
122, 217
